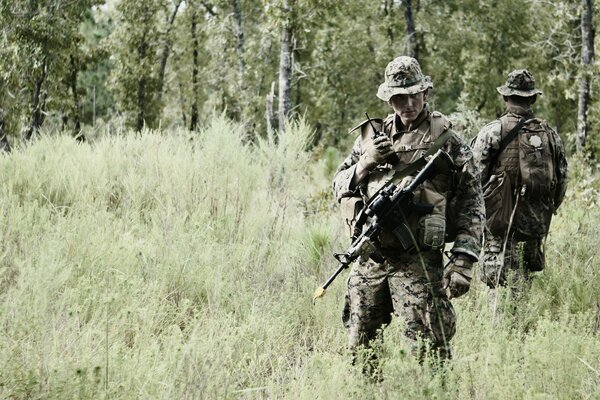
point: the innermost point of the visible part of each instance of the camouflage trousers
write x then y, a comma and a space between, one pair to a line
515, 266
410, 288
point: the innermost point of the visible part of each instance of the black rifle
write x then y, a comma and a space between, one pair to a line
387, 209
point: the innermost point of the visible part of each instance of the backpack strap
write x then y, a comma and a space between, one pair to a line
508, 138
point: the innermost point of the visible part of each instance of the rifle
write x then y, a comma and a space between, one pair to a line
387, 210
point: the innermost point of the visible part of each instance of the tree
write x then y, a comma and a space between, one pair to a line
411, 35
285, 66
41, 40
587, 56
166, 50
135, 45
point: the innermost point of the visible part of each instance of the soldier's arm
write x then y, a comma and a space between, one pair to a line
485, 147
345, 179
470, 213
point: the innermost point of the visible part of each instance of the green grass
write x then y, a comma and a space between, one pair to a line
171, 265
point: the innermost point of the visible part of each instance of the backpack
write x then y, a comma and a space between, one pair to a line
526, 162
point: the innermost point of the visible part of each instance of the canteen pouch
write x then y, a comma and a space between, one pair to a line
432, 231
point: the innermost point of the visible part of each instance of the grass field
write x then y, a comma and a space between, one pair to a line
180, 266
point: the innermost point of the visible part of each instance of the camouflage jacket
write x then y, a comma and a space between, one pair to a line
461, 189
487, 143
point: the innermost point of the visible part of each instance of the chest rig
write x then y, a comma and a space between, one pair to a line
410, 148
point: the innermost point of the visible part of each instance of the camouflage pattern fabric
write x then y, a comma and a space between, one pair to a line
410, 288
465, 184
520, 82
530, 216
513, 267
409, 285
403, 75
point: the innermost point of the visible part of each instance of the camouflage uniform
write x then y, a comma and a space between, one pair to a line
409, 283
522, 255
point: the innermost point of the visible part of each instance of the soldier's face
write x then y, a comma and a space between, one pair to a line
408, 106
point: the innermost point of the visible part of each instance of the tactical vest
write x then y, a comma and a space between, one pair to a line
425, 231
529, 162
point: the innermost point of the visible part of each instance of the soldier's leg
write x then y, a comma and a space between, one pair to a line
497, 260
367, 308
533, 255
418, 298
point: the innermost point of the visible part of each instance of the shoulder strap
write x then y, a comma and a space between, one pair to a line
438, 124
508, 138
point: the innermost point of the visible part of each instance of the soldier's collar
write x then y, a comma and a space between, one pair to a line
399, 126
518, 110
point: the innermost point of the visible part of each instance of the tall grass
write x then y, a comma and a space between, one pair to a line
174, 266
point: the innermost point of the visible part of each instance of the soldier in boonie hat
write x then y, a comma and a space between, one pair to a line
518, 150
520, 82
403, 75
409, 275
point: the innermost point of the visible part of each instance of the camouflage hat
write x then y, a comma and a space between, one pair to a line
520, 82
403, 76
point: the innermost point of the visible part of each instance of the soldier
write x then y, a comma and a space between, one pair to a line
411, 282
524, 176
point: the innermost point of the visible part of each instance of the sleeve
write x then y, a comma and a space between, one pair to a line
485, 146
342, 180
468, 198
560, 165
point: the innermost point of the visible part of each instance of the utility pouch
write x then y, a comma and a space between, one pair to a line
350, 207
498, 199
432, 231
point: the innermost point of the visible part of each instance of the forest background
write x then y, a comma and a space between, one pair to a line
74, 65
166, 209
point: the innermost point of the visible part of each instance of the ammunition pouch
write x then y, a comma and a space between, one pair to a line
350, 207
404, 236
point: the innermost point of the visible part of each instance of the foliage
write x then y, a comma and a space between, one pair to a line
38, 41
136, 41
170, 264
227, 60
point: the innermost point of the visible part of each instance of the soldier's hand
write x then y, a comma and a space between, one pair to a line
376, 152
457, 277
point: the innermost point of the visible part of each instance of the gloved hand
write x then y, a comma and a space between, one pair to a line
376, 152
457, 276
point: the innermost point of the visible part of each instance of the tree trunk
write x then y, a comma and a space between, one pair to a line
76, 106
411, 35
587, 56
285, 69
4, 143
141, 97
39, 104
269, 111
239, 38
195, 88
166, 52
182, 100
142, 83
388, 11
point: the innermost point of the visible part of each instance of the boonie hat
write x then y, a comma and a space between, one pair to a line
520, 82
403, 75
